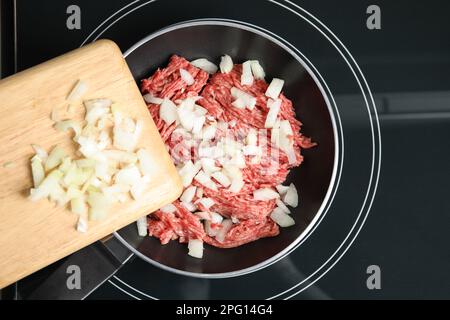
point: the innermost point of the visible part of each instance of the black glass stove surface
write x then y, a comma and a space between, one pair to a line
407, 65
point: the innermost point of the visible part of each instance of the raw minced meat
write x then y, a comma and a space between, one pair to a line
251, 218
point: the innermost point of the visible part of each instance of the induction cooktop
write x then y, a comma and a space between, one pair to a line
385, 68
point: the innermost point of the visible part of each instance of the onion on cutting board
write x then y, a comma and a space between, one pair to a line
39, 232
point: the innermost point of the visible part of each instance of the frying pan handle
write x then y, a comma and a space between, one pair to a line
76, 276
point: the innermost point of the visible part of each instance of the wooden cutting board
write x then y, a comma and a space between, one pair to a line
35, 234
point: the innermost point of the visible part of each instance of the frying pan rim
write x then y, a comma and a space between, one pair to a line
288, 249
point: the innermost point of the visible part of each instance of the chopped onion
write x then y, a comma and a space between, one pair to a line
189, 206
121, 156
99, 204
226, 64
186, 116
210, 231
265, 194
98, 103
78, 206
275, 134
187, 77
206, 202
50, 183
65, 164
138, 187
274, 109
40, 152
188, 172
227, 224
236, 185
128, 175
205, 180
170, 208
124, 135
291, 196
199, 193
37, 171
203, 215
73, 192
239, 103
78, 91
281, 218
252, 137
54, 158
168, 112
274, 88
208, 165
282, 206
209, 132
221, 178
82, 225
149, 98
242, 98
145, 162
68, 124
11, 164
141, 224
282, 189
216, 218
286, 128
205, 65
96, 111
252, 150
54, 115
188, 194
198, 124
247, 77
195, 247
257, 70
88, 146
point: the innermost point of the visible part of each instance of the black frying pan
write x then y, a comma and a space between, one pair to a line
211, 39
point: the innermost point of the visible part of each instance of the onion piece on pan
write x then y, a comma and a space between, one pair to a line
205, 180
265, 194
205, 65
291, 196
282, 206
168, 112
195, 247
149, 98
226, 64
188, 194
187, 77
227, 224
274, 109
274, 88
247, 77
141, 224
257, 70
281, 218
169, 208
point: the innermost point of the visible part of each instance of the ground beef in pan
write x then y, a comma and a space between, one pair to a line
251, 217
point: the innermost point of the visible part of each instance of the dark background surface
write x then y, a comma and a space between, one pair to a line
407, 65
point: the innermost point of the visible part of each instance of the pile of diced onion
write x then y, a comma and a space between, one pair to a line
108, 168
194, 124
